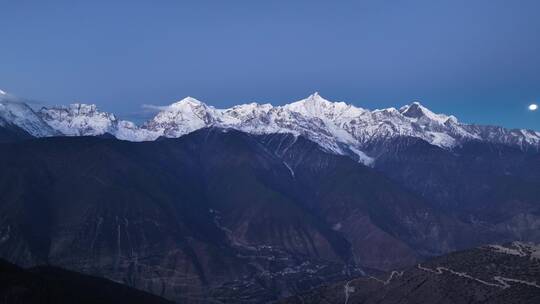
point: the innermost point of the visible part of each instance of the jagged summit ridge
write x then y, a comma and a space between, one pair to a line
81, 119
78, 119
336, 126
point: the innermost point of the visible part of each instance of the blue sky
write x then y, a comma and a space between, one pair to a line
478, 60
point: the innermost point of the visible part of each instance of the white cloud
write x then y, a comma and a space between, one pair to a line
154, 107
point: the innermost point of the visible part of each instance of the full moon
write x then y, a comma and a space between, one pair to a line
533, 107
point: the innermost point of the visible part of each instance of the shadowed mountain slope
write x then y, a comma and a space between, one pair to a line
46, 284
489, 274
178, 216
219, 213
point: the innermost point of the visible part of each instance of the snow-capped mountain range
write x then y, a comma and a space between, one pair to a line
336, 126
15, 113
85, 120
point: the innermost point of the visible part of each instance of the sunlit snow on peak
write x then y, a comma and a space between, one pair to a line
337, 127
188, 100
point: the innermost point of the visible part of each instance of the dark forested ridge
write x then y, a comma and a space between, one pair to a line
222, 214
47, 284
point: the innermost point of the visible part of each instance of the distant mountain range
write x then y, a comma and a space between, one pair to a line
257, 202
336, 126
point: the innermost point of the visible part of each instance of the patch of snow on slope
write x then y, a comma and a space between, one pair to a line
15, 112
363, 157
441, 139
126, 130
182, 117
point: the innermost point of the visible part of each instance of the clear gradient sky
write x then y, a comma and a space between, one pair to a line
478, 60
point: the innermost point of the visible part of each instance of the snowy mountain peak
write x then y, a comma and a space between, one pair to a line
418, 112
188, 101
312, 101
337, 127
78, 119
414, 110
16, 113
317, 106
2, 92
181, 117
247, 109
316, 98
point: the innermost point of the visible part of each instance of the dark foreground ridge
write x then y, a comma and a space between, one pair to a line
46, 284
